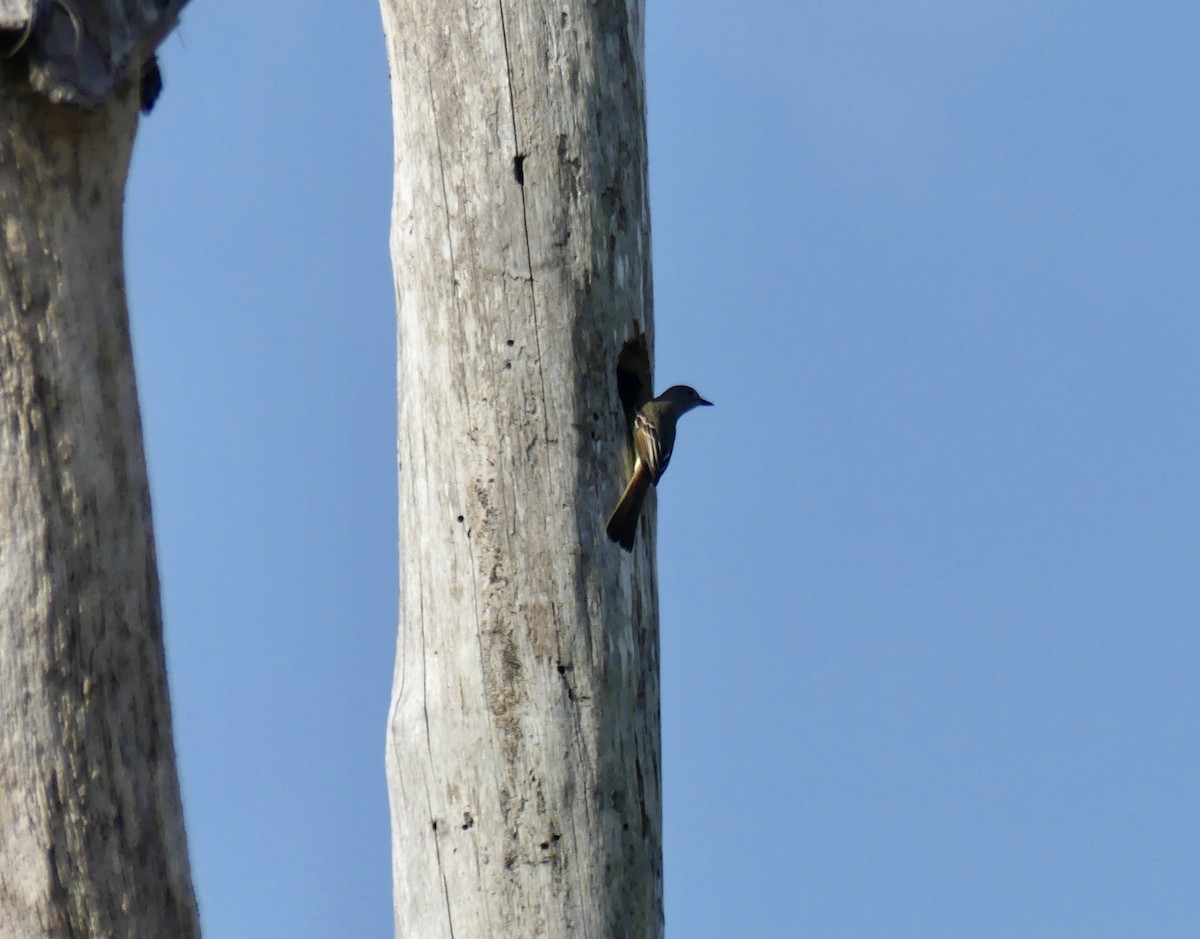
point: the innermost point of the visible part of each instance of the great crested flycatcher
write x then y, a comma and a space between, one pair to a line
653, 440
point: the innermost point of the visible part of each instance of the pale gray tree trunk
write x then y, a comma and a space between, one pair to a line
523, 739
91, 828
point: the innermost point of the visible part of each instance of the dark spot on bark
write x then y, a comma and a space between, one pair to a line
151, 85
509, 342
460, 520
435, 824
562, 670
519, 169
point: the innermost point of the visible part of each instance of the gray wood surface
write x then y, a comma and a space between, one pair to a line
523, 739
91, 828
14, 14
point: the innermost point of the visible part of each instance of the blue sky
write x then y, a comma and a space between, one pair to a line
928, 570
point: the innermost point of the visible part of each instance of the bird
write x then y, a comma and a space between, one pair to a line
653, 440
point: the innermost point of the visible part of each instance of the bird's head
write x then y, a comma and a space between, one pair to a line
683, 398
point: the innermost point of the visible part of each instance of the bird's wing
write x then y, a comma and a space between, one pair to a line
652, 448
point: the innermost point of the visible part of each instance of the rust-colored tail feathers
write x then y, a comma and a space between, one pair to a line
622, 524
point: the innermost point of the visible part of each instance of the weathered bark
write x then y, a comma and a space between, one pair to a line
523, 751
79, 51
91, 828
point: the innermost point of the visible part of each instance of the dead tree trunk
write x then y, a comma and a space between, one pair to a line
91, 828
523, 739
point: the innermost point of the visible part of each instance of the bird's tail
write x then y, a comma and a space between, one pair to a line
622, 524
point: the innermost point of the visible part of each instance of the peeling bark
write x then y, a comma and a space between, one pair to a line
78, 51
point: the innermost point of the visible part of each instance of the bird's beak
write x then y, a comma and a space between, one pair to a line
703, 402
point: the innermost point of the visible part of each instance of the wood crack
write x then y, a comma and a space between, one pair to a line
519, 157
